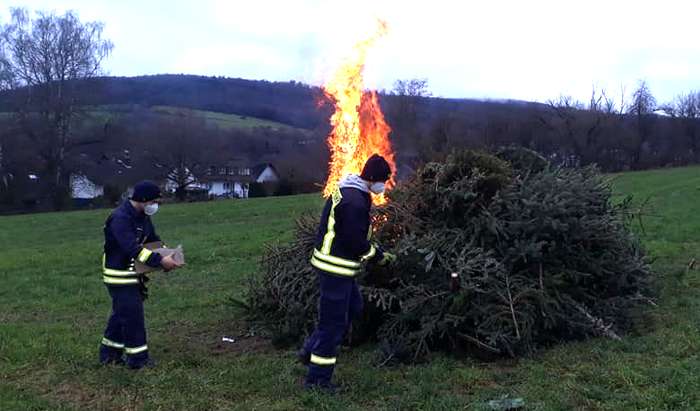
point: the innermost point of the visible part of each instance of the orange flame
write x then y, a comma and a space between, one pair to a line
359, 128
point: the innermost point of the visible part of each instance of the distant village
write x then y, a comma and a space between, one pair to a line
229, 181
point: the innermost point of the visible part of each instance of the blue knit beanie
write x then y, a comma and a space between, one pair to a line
376, 169
145, 191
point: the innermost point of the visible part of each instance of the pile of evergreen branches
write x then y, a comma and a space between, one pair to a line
498, 255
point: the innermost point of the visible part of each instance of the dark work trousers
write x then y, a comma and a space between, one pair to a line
126, 328
340, 303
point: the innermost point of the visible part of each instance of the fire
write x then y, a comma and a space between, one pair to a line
359, 128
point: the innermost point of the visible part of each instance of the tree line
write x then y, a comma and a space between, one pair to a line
632, 132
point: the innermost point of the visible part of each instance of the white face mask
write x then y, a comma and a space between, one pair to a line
377, 188
151, 209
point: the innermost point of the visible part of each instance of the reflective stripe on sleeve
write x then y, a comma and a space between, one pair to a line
330, 227
318, 360
144, 254
369, 254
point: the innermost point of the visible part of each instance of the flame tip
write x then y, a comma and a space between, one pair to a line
359, 127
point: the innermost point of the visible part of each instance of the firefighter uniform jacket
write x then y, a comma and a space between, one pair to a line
342, 242
126, 230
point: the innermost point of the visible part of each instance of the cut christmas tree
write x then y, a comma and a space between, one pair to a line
499, 255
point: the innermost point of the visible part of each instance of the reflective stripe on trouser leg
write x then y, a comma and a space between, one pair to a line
112, 344
333, 318
114, 335
110, 351
135, 350
318, 360
129, 308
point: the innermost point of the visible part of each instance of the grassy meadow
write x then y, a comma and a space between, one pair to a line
223, 121
54, 309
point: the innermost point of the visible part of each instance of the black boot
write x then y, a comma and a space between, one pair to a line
148, 364
113, 361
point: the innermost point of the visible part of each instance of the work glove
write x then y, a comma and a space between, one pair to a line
388, 259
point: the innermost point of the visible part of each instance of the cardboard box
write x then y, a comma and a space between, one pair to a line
157, 247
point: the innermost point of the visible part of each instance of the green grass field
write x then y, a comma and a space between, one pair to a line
54, 308
223, 121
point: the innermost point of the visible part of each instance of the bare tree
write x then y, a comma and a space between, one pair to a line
412, 88
611, 154
182, 148
409, 94
642, 108
17, 161
607, 104
584, 133
597, 118
407, 97
43, 57
643, 102
5, 175
6, 81
686, 108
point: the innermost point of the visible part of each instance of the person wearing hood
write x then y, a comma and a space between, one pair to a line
342, 247
126, 231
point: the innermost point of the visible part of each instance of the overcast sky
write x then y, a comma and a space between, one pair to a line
528, 50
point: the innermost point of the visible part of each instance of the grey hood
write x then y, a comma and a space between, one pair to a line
353, 181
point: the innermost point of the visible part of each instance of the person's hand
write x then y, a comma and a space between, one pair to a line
168, 263
388, 259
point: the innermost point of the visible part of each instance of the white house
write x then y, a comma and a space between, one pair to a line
223, 188
265, 173
82, 188
234, 180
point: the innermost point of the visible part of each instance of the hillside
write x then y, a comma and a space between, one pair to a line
54, 309
223, 121
290, 103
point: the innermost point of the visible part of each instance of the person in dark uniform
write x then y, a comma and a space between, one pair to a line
342, 247
126, 231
